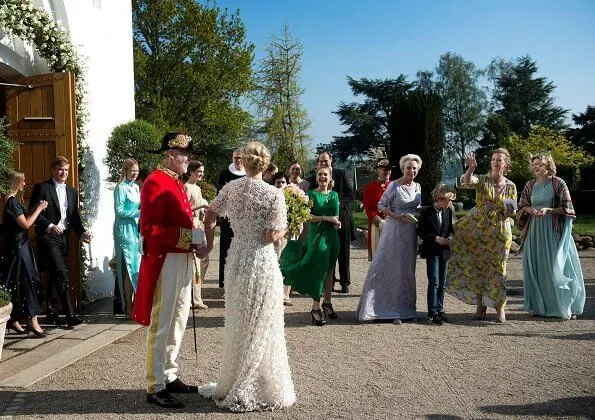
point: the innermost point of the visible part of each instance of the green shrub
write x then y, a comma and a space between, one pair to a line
133, 139
4, 296
7, 149
209, 192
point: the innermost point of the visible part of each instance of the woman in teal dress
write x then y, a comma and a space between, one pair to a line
126, 236
552, 275
312, 274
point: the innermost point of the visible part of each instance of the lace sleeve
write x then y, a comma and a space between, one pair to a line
277, 214
219, 205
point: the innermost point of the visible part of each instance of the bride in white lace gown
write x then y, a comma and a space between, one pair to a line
255, 372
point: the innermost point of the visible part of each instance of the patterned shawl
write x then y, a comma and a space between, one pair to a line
561, 200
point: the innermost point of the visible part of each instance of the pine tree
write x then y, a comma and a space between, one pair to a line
283, 121
368, 122
523, 99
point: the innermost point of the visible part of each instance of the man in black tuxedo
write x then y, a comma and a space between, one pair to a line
347, 231
234, 171
51, 230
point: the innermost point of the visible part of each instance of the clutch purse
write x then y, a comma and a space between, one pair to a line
522, 219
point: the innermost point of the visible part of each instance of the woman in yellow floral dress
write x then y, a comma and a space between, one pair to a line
477, 268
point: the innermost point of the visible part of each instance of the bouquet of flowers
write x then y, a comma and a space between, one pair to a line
298, 209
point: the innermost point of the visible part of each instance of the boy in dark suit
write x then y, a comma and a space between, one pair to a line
435, 228
52, 229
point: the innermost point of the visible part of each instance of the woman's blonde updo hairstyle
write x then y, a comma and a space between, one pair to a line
255, 157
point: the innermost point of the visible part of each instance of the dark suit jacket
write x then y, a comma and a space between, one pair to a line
346, 195
428, 229
47, 191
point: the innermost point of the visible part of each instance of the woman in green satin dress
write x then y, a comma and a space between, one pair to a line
126, 236
312, 274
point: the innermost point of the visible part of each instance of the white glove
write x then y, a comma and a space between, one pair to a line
198, 236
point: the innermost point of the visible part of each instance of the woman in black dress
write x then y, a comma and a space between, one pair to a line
20, 274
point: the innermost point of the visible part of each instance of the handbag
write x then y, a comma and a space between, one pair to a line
522, 220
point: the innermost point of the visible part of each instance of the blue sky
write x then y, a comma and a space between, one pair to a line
384, 38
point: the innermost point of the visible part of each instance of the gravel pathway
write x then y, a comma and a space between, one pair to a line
527, 368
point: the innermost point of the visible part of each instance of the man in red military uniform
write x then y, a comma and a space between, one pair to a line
162, 299
372, 194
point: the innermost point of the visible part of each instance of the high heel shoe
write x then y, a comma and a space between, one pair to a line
329, 312
36, 334
10, 326
317, 317
480, 313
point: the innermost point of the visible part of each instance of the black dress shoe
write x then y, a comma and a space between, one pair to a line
435, 319
179, 387
344, 288
443, 316
36, 334
164, 399
52, 318
72, 320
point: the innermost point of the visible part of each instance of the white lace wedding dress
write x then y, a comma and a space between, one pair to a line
254, 373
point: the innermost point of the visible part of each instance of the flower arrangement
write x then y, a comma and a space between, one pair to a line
4, 296
298, 209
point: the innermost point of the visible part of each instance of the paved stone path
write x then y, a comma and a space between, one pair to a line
526, 368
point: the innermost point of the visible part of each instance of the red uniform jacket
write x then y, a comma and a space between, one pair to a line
372, 195
166, 226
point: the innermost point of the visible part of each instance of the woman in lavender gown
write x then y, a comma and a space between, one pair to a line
389, 290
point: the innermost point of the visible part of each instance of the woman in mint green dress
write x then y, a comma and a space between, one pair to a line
552, 275
126, 236
312, 273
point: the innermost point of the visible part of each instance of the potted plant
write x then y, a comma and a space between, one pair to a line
5, 309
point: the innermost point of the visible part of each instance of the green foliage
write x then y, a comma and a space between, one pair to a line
584, 134
464, 100
5, 296
368, 122
7, 149
495, 132
416, 126
133, 139
192, 65
283, 119
524, 100
209, 191
543, 139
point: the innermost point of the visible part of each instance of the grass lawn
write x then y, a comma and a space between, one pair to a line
584, 224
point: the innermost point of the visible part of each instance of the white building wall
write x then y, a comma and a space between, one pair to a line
102, 31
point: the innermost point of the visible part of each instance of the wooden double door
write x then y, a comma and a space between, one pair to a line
42, 121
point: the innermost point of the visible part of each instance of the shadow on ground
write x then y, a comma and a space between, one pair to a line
582, 407
97, 401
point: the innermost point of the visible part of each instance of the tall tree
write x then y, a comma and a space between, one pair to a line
523, 99
192, 66
464, 102
417, 126
277, 96
584, 134
368, 122
494, 134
